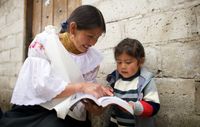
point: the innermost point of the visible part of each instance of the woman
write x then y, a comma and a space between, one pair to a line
59, 65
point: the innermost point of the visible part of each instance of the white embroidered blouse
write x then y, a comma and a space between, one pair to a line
38, 82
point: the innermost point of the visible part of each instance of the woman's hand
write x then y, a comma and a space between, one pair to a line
97, 90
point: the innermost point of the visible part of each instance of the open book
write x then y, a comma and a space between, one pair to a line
103, 101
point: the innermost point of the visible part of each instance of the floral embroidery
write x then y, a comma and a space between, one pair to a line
36, 45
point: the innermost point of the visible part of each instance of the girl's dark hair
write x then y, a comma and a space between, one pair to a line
131, 47
86, 17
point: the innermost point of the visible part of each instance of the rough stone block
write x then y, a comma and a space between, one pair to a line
16, 52
1, 44
161, 27
20, 42
181, 60
9, 69
5, 56
176, 95
13, 15
4, 82
197, 97
5, 97
108, 63
16, 27
12, 82
153, 59
177, 120
10, 42
170, 25
19, 4
112, 36
138, 28
114, 10
2, 21
196, 15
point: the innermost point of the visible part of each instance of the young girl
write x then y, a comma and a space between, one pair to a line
134, 84
59, 65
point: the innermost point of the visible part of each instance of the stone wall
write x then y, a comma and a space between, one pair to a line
11, 46
170, 33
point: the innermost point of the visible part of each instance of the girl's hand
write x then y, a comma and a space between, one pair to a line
132, 104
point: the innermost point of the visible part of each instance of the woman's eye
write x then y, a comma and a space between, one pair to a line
90, 36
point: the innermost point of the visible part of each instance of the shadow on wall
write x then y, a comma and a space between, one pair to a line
1, 113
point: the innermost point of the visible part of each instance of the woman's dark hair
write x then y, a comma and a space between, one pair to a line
86, 17
131, 47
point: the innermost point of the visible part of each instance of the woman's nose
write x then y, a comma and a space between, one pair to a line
93, 41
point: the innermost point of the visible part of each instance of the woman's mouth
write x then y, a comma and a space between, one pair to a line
86, 46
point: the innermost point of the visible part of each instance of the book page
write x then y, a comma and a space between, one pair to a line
105, 101
81, 96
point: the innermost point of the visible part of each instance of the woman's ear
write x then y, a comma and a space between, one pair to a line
72, 28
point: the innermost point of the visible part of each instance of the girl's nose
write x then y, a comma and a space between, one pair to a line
123, 65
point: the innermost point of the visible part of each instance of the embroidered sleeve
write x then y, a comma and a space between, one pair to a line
37, 78
37, 46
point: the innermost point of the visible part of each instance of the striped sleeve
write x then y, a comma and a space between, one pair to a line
146, 108
150, 103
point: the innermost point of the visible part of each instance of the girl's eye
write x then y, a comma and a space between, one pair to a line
128, 62
119, 62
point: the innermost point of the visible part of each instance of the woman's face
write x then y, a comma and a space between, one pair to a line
83, 39
127, 65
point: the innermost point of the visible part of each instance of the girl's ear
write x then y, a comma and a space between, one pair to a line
72, 28
141, 61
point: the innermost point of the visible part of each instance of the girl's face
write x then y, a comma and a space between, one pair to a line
127, 65
83, 39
